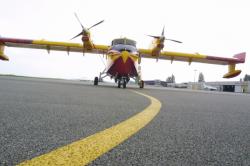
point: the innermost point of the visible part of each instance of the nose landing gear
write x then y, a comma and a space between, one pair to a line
122, 82
119, 83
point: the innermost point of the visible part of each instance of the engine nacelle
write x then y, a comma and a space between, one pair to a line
160, 45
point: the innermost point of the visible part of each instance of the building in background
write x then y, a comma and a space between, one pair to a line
223, 86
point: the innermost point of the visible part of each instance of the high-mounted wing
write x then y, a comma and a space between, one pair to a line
49, 45
186, 57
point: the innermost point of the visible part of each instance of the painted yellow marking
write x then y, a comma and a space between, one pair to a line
124, 56
88, 149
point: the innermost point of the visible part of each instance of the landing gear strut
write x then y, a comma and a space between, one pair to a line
96, 81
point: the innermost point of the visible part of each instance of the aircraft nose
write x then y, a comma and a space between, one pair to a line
125, 55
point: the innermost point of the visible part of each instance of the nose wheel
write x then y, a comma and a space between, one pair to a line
122, 82
119, 83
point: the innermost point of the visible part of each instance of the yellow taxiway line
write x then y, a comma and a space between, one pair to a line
88, 149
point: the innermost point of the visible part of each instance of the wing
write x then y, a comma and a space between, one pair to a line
49, 45
186, 57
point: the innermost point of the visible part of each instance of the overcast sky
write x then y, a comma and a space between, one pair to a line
211, 27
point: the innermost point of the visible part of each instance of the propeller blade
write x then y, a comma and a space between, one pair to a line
162, 37
77, 35
157, 37
79, 21
174, 40
95, 24
162, 33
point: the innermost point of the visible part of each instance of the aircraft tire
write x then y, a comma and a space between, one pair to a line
119, 84
141, 84
96, 81
124, 84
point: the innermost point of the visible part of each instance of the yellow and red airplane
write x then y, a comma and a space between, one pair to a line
124, 57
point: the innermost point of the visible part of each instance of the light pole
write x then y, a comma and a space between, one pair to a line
194, 74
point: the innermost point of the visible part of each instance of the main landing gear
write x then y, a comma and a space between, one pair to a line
141, 84
121, 82
96, 80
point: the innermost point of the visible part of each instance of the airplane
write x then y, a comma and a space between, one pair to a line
208, 87
124, 58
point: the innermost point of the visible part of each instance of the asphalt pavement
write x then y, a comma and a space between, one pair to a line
192, 128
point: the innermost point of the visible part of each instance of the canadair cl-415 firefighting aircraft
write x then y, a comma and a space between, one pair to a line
124, 57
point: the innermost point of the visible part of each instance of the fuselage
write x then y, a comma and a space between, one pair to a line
123, 59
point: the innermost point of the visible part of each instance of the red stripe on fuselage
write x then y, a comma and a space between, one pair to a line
120, 69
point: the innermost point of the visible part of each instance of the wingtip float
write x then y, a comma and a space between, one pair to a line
240, 58
2, 55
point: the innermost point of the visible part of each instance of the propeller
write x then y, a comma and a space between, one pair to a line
177, 41
85, 31
162, 37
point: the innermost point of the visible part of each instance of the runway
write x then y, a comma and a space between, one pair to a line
38, 116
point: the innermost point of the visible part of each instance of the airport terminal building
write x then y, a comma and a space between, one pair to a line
227, 86
224, 86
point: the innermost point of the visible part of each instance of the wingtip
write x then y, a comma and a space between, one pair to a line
241, 56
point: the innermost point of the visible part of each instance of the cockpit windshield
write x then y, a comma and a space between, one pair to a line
124, 41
